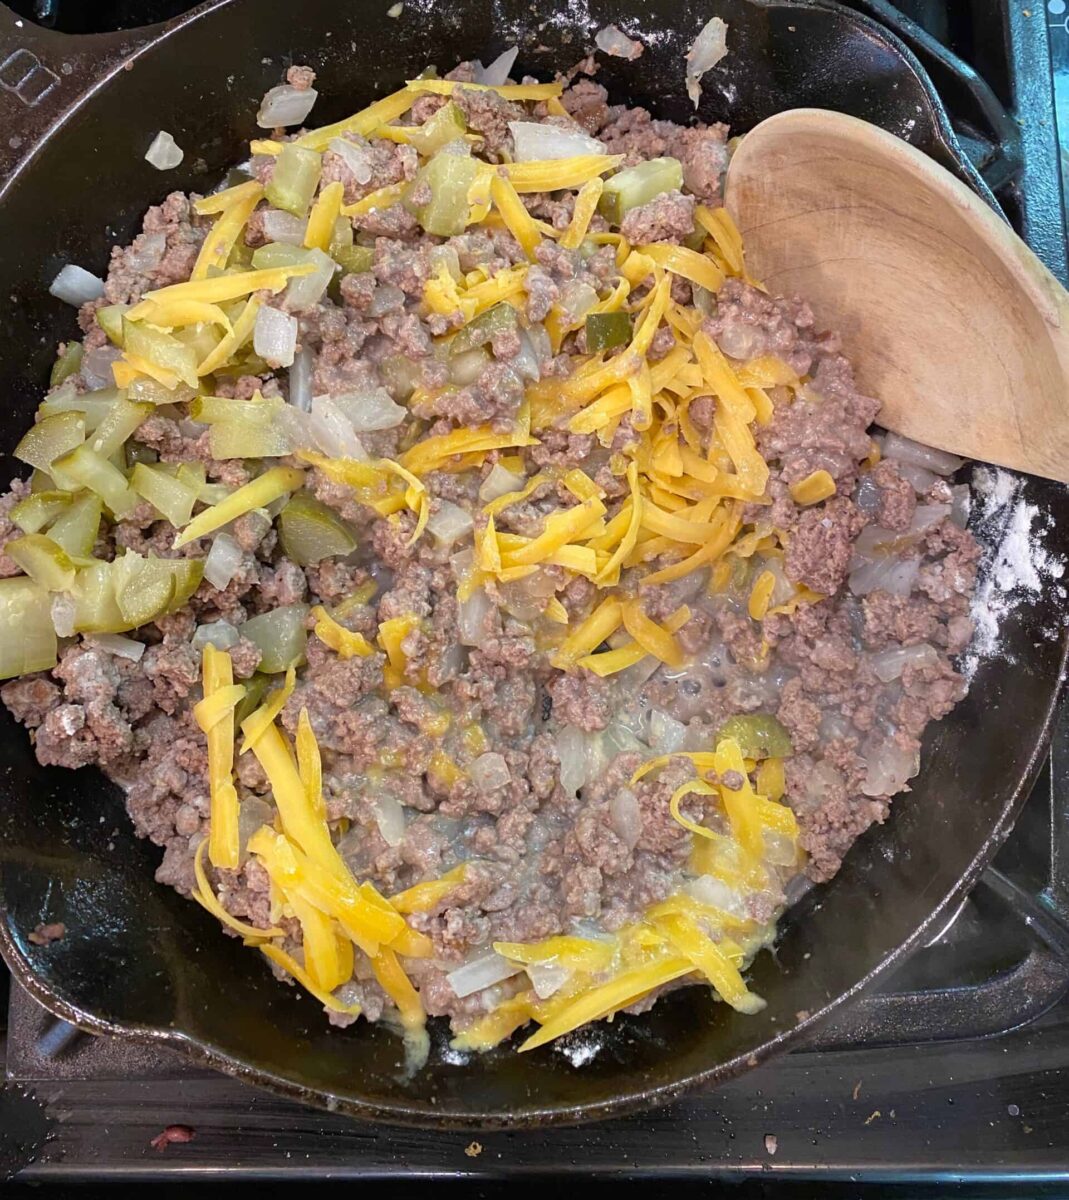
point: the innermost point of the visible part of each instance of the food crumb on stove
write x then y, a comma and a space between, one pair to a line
473, 1150
873, 1116
44, 934
771, 1143
803, 1014
395, 10
857, 1090
173, 1135
300, 77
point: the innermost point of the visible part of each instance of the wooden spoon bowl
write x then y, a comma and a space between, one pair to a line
950, 320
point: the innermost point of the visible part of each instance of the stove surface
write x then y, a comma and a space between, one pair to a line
955, 1071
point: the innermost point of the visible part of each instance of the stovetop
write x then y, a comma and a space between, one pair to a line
955, 1072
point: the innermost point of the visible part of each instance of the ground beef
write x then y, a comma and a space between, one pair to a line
668, 218
488, 115
300, 77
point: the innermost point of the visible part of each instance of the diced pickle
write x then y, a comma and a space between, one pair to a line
76, 528
161, 349
171, 498
34, 512
44, 560
138, 453
280, 254
147, 588
109, 318
212, 409
255, 690
695, 240
444, 127
94, 406
449, 177
27, 638
201, 338
91, 470
122, 419
354, 259
294, 179
400, 376
280, 636
759, 735
604, 331
341, 237
310, 531
50, 439
638, 185
95, 609
242, 439
150, 391
67, 364
484, 328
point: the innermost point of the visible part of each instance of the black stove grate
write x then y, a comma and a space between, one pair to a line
952, 1071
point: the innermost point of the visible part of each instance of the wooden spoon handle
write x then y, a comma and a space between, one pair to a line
950, 320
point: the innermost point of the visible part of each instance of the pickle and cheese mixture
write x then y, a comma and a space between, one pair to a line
491, 600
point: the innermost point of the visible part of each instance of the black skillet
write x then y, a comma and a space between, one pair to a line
137, 960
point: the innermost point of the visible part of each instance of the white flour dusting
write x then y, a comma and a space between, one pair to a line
1017, 567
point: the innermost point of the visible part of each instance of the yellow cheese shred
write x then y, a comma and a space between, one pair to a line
688, 264
271, 485
384, 197
514, 213
687, 939
257, 723
223, 287
208, 900
586, 204
611, 661
218, 202
233, 341
344, 642
653, 638
815, 487
760, 595
216, 247
321, 219
289, 964
422, 897
508, 91
392, 634
217, 675
603, 621
389, 108
557, 174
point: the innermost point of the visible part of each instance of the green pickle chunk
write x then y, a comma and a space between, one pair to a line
295, 179
759, 735
310, 531
27, 637
638, 185
280, 636
605, 331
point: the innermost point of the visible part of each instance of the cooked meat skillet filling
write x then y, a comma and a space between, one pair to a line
489, 598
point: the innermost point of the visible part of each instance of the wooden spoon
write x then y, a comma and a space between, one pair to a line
950, 320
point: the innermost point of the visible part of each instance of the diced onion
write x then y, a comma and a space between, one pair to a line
333, 432
121, 647
525, 362
285, 105
448, 523
626, 817
540, 343
613, 41
576, 300
389, 816
499, 482
479, 973
498, 71
76, 286
471, 617
533, 141
220, 634
96, 367
894, 575
889, 664
466, 367
301, 379
547, 978
927, 515
64, 614
395, 10
919, 478
164, 154
904, 449
147, 251
490, 772
707, 889
888, 768
357, 157
304, 291
666, 733
284, 227
223, 561
370, 411
275, 336
960, 505
385, 298
448, 255
582, 757
709, 47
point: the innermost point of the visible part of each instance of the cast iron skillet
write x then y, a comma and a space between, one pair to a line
137, 960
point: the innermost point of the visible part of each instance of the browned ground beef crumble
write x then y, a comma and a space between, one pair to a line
542, 857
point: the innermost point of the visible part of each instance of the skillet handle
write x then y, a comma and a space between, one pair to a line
45, 75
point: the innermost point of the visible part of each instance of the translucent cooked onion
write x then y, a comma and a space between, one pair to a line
466, 367
894, 575
920, 479
285, 105
707, 889
333, 432
389, 816
927, 515
300, 379
540, 343
304, 291
960, 504
220, 634
626, 817
547, 978
96, 367
498, 71
904, 449
499, 482
164, 154
525, 361
356, 156
471, 617
449, 523
76, 286
448, 256
533, 140
613, 41
889, 664
582, 757
121, 647
489, 772
709, 47
740, 341
481, 972
780, 849
284, 227
888, 768
147, 251
666, 733
385, 298
370, 411
275, 336
223, 561
576, 300
869, 496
